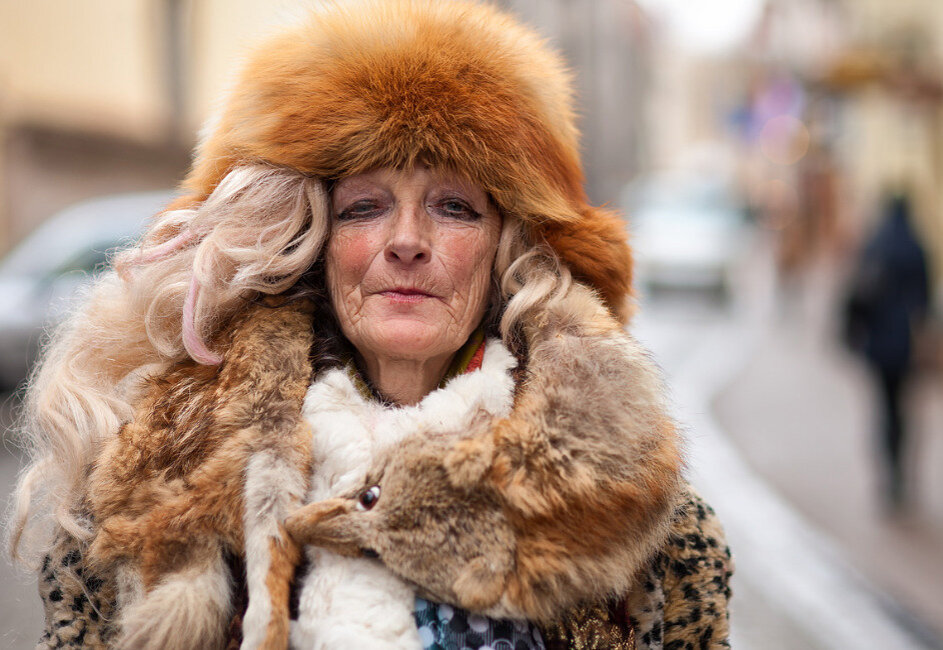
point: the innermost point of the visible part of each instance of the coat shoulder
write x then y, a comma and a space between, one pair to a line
679, 600
682, 602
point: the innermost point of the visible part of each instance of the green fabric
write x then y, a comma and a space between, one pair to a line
464, 356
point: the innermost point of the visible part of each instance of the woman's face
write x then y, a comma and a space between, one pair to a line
409, 261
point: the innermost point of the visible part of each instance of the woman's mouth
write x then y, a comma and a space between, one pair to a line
405, 295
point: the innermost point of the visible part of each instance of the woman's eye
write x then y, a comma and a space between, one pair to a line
359, 210
368, 498
458, 209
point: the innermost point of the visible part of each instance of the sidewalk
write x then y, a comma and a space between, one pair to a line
802, 413
798, 584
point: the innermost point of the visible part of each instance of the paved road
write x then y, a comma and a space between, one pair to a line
675, 330
803, 413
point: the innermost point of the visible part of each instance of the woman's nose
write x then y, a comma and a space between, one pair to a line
409, 239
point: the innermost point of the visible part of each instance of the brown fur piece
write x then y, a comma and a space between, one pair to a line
595, 249
455, 84
561, 502
173, 491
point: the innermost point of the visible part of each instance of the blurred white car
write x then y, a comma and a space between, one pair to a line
688, 232
40, 277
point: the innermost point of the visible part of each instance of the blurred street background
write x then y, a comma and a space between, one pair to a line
758, 148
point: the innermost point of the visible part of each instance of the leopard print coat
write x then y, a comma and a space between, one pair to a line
679, 603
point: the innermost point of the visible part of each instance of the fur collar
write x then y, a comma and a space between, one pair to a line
210, 465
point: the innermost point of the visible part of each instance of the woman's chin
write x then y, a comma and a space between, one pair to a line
412, 339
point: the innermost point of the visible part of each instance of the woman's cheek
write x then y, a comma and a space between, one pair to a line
348, 259
471, 258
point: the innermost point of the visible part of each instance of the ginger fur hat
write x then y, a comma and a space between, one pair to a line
375, 83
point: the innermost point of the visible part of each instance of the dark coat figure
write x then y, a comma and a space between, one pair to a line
889, 298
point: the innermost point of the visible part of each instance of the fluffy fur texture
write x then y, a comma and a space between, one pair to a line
131, 322
562, 501
211, 464
348, 602
374, 83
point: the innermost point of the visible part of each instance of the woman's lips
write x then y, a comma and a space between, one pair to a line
406, 296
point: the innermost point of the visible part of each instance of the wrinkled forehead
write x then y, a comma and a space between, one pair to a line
420, 174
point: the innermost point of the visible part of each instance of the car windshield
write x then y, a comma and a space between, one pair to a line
698, 194
79, 238
51, 249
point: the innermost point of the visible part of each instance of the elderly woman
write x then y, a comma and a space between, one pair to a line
369, 372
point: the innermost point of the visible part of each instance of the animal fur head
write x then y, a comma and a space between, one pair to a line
212, 461
379, 83
523, 517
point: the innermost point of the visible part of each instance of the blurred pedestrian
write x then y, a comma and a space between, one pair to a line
886, 305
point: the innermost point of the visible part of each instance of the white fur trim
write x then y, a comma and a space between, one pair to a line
185, 610
130, 586
357, 602
353, 603
273, 488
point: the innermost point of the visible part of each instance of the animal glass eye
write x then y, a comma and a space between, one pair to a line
368, 498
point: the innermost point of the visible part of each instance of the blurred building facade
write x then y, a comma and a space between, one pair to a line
869, 111
608, 45
824, 107
113, 84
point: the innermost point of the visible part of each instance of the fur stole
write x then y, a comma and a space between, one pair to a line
513, 515
355, 602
